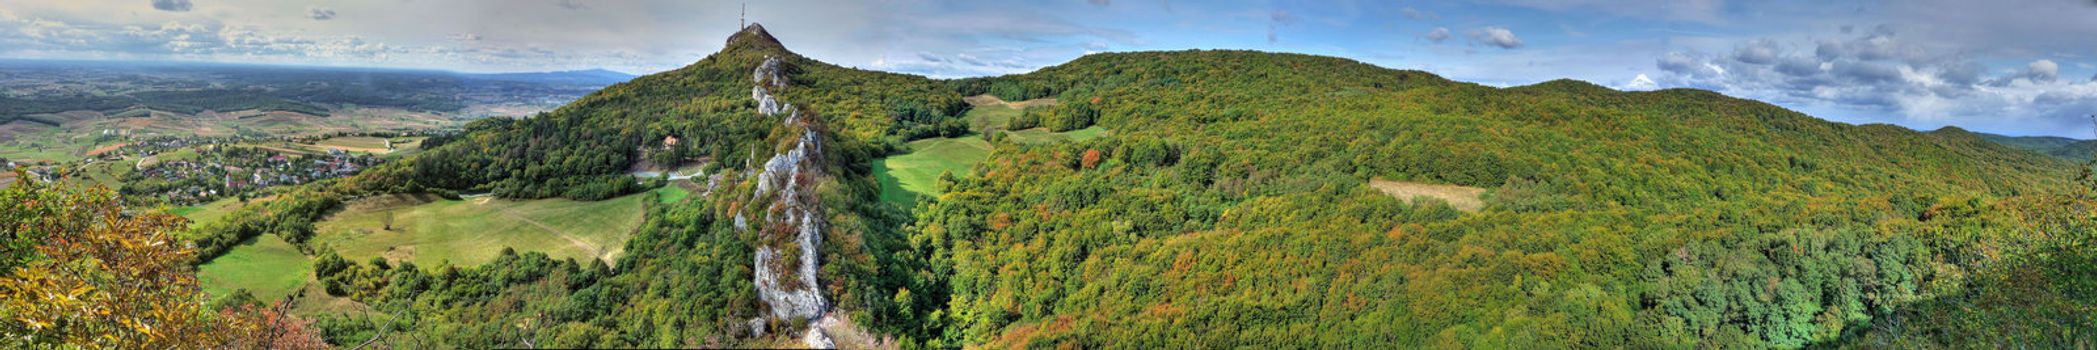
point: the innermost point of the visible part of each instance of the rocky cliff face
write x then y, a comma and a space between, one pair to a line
787, 282
791, 232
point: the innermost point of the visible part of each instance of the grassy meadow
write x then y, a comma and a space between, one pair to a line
268, 267
904, 177
430, 231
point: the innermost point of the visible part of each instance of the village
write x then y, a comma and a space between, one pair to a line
221, 171
183, 171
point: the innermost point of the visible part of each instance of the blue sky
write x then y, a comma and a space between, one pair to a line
2022, 67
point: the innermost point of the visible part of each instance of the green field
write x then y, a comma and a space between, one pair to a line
28, 142
106, 173
674, 193
431, 231
917, 173
990, 115
904, 177
207, 212
268, 267
428, 231
907, 176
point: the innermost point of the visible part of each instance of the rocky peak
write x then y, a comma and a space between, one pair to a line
754, 35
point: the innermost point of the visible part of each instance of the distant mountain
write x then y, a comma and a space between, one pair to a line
2062, 147
598, 77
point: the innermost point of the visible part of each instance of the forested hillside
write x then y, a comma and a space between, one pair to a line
1231, 210
1230, 207
2066, 148
686, 277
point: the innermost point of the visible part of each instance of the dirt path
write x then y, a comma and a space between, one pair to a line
572, 240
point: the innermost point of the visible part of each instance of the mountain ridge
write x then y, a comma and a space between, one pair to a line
1229, 206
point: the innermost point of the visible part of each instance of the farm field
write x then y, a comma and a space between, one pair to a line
365, 144
430, 231
105, 173
70, 136
27, 142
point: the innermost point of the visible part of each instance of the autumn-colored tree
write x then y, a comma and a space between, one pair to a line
1090, 160
272, 327
94, 276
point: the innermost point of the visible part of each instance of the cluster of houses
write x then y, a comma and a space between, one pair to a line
234, 170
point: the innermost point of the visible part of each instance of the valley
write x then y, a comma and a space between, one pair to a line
62, 111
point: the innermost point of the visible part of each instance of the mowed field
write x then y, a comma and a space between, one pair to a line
428, 231
431, 231
268, 267
208, 212
904, 177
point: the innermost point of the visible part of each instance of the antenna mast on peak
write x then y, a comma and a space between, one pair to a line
743, 20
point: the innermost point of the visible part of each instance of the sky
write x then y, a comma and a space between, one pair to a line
2017, 67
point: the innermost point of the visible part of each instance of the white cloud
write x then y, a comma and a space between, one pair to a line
1875, 76
1639, 83
1438, 34
2044, 70
1496, 36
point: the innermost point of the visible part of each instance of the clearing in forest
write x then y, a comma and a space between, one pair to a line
904, 177
430, 231
916, 173
988, 100
268, 267
1459, 197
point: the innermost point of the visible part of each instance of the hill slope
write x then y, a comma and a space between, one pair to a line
1230, 208
2062, 147
1233, 203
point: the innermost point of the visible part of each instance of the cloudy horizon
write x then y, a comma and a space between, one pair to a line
2017, 67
